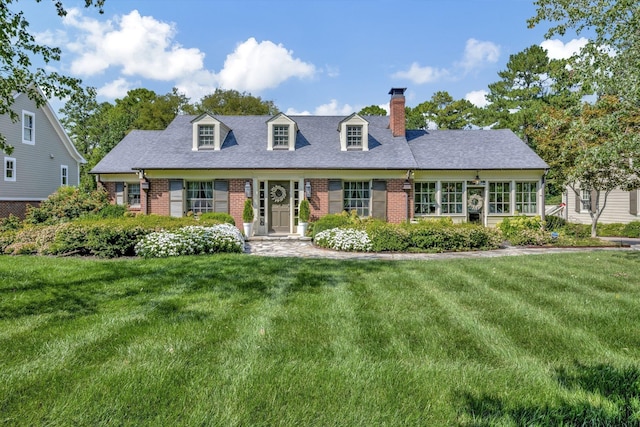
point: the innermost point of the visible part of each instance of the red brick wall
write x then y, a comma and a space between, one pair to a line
110, 188
18, 209
158, 197
396, 201
236, 199
319, 201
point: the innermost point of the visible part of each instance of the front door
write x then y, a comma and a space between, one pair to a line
475, 204
279, 207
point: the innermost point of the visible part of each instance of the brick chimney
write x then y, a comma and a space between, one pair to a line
396, 105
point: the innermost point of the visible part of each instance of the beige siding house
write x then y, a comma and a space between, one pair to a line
622, 207
43, 157
370, 165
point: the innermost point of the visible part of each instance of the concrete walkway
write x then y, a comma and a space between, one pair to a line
294, 246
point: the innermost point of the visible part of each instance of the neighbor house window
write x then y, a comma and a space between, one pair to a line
200, 196
424, 198
357, 197
280, 136
585, 198
64, 175
451, 197
354, 136
28, 127
526, 197
9, 169
500, 197
206, 135
133, 194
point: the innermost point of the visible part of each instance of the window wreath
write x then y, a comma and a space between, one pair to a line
278, 193
475, 202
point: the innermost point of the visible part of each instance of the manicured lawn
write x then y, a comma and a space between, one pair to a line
235, 340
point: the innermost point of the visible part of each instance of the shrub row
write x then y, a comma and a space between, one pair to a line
106, 238
191, 240
430, 235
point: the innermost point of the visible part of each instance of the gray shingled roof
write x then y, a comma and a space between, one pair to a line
318, 147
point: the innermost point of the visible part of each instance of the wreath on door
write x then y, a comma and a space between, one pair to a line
475, 202
278, 193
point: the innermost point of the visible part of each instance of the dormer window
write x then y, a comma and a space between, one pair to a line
354, 134
209, 133
354, 137
206, 136
280, 137
281, 133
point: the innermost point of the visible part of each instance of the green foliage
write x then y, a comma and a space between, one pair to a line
577, 231
440, 236
66, 204
512, 226
247, 211
554, 223
632, 229
11, 222
373, 110
387, 237
442, 111
233, 103
108, 211
304, 211
217, 217
191, 240
330, 221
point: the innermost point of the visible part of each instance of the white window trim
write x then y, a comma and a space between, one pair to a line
13, 178
126, 194
32, 141
220, 132
281, 120
584, 209
63, 175
354, 120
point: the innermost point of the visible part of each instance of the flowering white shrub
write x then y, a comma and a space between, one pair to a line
344, 239
191, 240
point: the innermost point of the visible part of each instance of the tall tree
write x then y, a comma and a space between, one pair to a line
232, 102
530, 82
373, 110
595, 148
18, 54
442, 112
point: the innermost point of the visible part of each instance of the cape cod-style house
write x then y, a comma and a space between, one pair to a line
42, 160
368, 164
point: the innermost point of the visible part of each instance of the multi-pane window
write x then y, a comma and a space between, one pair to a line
133, 194
280, 136
28, 123
200, 196
451, 197
585, 198
500, 197
357, 197
526, 197
424, 198
206, 135
64, 175
9, 169
354, 136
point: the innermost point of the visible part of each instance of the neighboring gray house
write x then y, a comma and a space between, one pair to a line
43, 157
622, 206
370, 165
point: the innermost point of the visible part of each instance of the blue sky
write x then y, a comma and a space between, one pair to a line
327, 57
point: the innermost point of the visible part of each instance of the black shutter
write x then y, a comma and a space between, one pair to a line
336, 197
119, 193
578, 196
176, 203
633, 202
379, 199
221, 196
594, 206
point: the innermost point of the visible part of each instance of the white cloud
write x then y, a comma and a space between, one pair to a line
139, 45
334, 109
477, 53
116, 89
556, 49
420, 75
477, 98
257, 66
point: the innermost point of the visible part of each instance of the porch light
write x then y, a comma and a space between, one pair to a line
476, 180
247, 190
407, 185
307, 189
